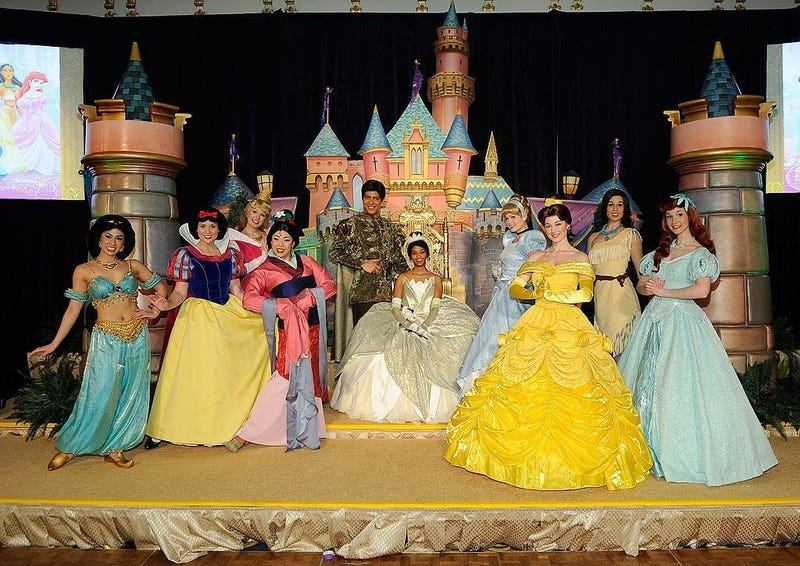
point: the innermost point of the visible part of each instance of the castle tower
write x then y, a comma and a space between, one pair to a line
719, 149
459, 151
133, 152
487, 242
326, 169
451, 90
491, 160
232, 192
375, 149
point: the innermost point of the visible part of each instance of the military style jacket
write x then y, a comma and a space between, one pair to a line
362, 237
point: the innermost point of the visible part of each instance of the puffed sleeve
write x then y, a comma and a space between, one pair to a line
532, 240
646, 265
704, 264
239, 270
180, 266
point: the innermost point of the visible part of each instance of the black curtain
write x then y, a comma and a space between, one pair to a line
555, 88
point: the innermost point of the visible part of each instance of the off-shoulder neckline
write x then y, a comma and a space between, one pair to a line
560, 264
687, 254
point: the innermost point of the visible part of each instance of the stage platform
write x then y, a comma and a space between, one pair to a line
371, 490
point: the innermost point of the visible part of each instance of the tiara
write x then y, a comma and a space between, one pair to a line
550, 201
415, 237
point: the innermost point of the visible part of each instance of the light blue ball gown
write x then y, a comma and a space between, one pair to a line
503, 311
696, 417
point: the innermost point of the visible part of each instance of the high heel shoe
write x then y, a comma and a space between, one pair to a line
235, 444
117, 458
59, 460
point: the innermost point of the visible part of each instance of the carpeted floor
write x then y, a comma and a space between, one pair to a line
397, 471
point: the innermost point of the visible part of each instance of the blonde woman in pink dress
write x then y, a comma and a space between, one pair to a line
250, 235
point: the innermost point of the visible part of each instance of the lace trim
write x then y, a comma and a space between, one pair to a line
126, 330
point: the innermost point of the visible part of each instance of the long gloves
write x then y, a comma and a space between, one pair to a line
420, 329
432, 314
519, 290
397, 312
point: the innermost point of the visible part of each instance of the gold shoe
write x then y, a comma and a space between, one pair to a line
59, 460
117, 458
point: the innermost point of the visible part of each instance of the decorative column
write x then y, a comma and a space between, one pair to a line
134, 152
719, 149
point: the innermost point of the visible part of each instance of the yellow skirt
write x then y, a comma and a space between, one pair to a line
214, 366
551, 411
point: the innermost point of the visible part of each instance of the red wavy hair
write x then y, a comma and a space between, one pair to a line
696, 227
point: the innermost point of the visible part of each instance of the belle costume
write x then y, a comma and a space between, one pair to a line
551, 411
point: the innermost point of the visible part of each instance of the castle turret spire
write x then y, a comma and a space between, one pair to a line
490, 160
451, 90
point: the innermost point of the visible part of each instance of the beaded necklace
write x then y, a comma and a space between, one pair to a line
608, 233
108, 266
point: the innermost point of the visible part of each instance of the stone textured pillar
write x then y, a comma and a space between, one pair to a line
134, 152
719, 149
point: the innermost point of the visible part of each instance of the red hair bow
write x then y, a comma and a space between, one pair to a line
203, 214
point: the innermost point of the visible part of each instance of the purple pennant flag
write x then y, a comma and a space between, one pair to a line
617, 156
326, 104
416, 84
232, 151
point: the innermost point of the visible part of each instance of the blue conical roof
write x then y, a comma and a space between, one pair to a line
491, 201
134, 88
376, 135
230, 188
458, 138
326, 144
719, 88
451, 18
337, 200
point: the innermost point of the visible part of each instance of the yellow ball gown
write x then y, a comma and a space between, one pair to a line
551, 411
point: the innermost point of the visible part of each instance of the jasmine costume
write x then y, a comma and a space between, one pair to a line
110, 412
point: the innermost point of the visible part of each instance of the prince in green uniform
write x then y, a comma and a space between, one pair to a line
367, 246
